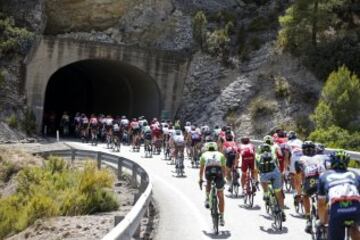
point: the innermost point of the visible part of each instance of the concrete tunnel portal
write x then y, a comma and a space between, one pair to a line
101, 87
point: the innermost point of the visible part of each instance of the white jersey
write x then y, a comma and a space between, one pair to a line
313, 166
124, 122
165, 130
296, 152
187, 129
178, 139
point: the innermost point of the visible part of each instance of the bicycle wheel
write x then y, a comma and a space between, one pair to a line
251, 196
236, 189
278, 220
215, 214
313, 220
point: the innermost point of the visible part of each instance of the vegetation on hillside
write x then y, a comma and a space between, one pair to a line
55, 190
336, 116
326, 34
13, 39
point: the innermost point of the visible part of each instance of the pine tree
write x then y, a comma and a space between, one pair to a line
199, 28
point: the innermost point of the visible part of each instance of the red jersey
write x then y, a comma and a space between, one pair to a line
247, 151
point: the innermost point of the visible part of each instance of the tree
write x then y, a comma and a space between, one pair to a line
304, 20
199, 28
340, 101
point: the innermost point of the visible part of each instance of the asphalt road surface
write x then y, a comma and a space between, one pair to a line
182, 212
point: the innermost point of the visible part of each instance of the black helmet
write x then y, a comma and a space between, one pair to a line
292, 135
339, 159
229, 136
264, 148
308, 148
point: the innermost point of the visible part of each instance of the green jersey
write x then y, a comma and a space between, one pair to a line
212, 158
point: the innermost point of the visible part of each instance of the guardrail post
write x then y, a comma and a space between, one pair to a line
73, 155
119, 168
134, 176
99, 160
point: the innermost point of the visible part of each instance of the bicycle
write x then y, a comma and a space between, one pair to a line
179, 163
273, 208
299, 205
195, 156
213, 202
249, 190
287, 182
157, 147
116, 144
314, 217
148, 148
321, 232
235, 185
136, 143
94, 137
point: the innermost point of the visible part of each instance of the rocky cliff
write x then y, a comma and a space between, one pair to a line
255, 89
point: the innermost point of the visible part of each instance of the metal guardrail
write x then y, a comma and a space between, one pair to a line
354, 155
128, 227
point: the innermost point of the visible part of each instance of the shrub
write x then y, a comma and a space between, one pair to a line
340, 100
12, 38
258, 24
29, 122
282, 88
260, 107
7, 170
354, 164
218, 43
56, 190
12, 121
336, 137
199, 24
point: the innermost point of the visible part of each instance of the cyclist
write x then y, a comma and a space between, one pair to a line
320, 152
247, 154
156, 134
212, 162
310, 167
195, 136
276, 150
84, 127
338, 195
295, 154
77, 124
177, 141
147, 136
267, 165
65, 124
94, 126
231, 153
135, 131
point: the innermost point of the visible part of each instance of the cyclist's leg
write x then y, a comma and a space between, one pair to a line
244, 168
336, 229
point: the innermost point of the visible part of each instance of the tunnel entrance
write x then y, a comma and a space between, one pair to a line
100, 87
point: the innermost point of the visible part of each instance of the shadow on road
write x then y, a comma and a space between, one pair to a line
231, 196
221, 235
247, 207
297, 216
266, 217
273, 231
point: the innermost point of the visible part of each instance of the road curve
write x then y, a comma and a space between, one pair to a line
182, 215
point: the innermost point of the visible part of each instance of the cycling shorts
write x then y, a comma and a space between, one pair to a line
230, 160
215, 172
247, 164
136, 131
338, 215
195, 141
310, 185
274, 176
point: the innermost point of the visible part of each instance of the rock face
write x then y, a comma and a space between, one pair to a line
85, 15
29, 13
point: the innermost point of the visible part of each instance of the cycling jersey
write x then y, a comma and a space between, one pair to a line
93, 122
247, 154
187, 129
230, 149
135, 125
124, 123
212, 158
84, 120
179, 140
341, 189
296, 152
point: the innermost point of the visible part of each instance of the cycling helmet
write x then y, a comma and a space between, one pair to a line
188, 123
211, 146
308, 148
339, 159
320, 148
268, 140
209, 139
216, 127
245, 140
264, 148
292, 135
229, 136
177, 127
280, 133
178, 132
145, 124
123, 117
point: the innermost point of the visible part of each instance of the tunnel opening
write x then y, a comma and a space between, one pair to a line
100, 87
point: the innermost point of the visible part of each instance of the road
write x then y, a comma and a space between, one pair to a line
181, 210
